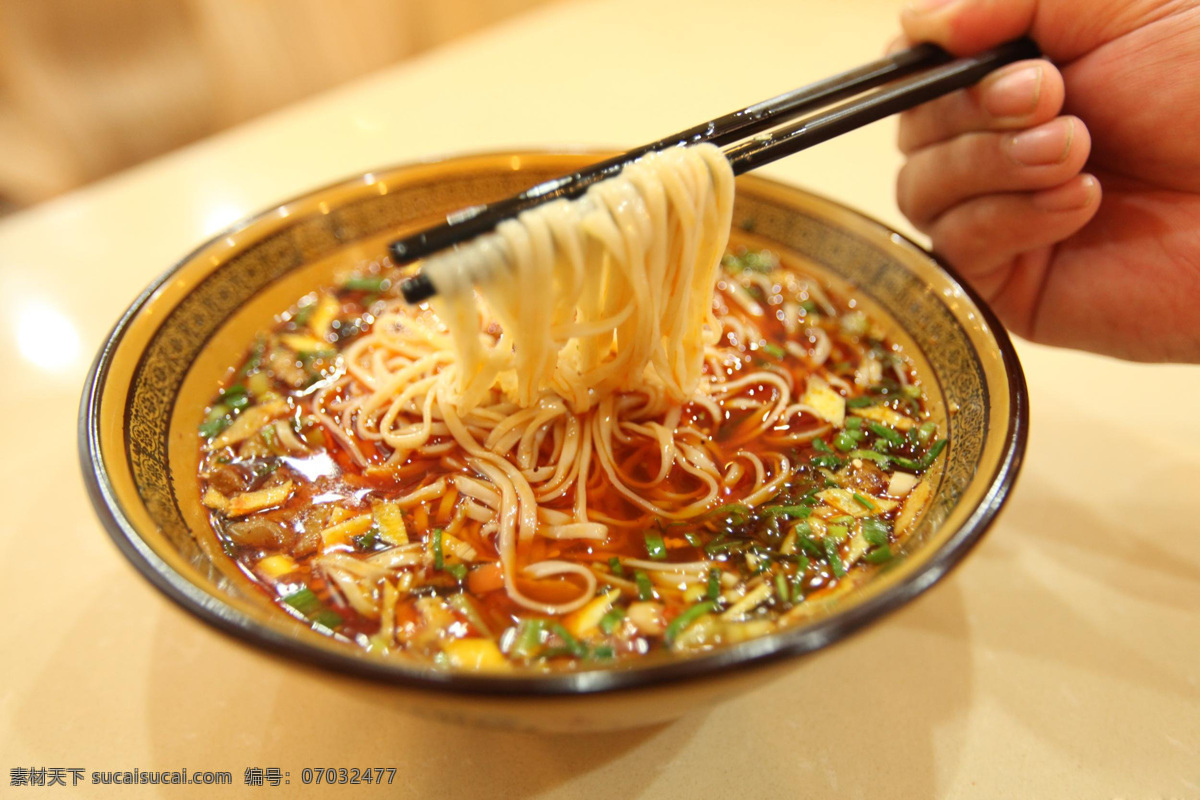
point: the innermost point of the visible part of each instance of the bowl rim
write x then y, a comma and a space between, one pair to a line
755, 653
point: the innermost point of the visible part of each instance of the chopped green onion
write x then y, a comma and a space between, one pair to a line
938, 446
308, 356
529, 638
809, 545
773, 350
255, 359
713, 590
861, 402
828, 462
794, 512
238, 401
725, 546
881, 445
366, 283
798, 586
655, 547
303, 600
781, 587
614, 564
459, 571
880, 459
303, 313
887, 433
644, 587
577, 648
853, 423
834, 557
879, 555
368, 539
737, 513
609, 622
681, 622
210, 428
838, 533
865, 502
327, 618
693, 539
603, 652
926, 432
857, 434
820, 446
841, 519
875, 531
911, 391
439, 558
809, 306
844, 442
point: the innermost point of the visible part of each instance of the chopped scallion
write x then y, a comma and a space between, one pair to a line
655, 547
865, 502
892, 436
529, 638
879, 555
834, 557
681, 622
880, 459
366, 283
577, 648
303, 600
794, 512
644, 587
713, 590
609, 622
327, 618
773, 350
875, 531
614, 564
828, 462
210, 428
926, 431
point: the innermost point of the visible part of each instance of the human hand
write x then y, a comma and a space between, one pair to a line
995, 174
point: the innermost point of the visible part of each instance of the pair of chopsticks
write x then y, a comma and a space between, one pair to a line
871, 92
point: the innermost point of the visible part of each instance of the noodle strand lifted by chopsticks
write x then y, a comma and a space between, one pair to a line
578, 330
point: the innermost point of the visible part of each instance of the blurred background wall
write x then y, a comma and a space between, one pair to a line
90, 87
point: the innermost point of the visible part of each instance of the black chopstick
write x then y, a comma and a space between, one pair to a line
908, 78
899, 96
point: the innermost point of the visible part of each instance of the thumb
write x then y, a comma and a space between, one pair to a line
967, 26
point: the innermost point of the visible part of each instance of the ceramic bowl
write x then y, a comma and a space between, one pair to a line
147, 391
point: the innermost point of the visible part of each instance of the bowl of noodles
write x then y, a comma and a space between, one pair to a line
640, 452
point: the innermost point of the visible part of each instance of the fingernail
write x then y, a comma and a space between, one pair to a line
1015, 94
1044, 145
1071, 196
927, 6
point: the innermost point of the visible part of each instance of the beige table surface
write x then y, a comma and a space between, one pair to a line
1061, 660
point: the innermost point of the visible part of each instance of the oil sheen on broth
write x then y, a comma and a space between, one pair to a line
812, 419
